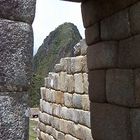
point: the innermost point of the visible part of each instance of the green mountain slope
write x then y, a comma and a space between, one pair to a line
57, 45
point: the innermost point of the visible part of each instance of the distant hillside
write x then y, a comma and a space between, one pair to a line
58, 44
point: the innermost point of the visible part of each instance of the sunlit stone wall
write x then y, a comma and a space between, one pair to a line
64, 105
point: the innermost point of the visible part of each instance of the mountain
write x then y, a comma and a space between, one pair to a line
58, 44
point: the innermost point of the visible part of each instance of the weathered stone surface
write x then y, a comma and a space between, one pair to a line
83, 47
93, 11
116, 27
77, 64
58, 67
43, 92
66, 113
84, 118
102, 55
135, 18
77, 101
77, 49
92, 34
16, 41
78, 83
86, 83
69, 137
65, 63
97, 86
14, 115
49, 130
85, 102
56, 110
120, 87
18, 10
110, 122
70, 83
62, 81
59, 97
42, 127
47, 107
45, 118
129, 55
135, 122
85, 68
68, 100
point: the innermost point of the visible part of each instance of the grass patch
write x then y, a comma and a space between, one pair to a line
32, 133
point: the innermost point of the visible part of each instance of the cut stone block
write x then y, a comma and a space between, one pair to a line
116, 27
59, 97
102, 55
97, 87
18, 10
86, 83
93, 11
83, 47
135, 18
70, 83
14, 111
78, 82
68, 100
85, 102
16, 50
77, 101
92, 34
110, 122
120, 88
129, 55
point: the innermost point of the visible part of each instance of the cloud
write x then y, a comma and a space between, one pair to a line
50, 14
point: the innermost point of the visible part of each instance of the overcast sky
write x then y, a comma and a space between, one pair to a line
52, 13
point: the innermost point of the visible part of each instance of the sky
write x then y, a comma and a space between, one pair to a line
50, 14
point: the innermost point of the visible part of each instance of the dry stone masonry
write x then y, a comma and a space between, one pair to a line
112, 30
16, 45
64, 105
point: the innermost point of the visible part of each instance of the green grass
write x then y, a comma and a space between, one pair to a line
32, 133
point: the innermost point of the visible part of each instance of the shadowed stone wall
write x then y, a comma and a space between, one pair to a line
16, 47
113, 36
64, 105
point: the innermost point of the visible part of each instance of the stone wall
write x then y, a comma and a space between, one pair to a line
16, 45
64, 105
113, 36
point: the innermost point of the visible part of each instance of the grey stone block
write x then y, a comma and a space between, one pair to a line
69, 137
18, 10
97, 87
135, 123
68, 100
102, 55
78, 82
86, 83
129, 55
135, 18
92, 34
110, 122
85, 102
77, 101
83, 47
93, 11
120, 87
14, 115
16, 49
58, 67
116, 27
70, 83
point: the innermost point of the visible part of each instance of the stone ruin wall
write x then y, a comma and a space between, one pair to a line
64, 104
16, 47
112, 30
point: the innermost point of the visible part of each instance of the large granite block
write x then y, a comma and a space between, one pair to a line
102, 55
120, 87
97, 87
95, 10
14, 116
110, 122
18, 10
135, 18
16, 50
129, 55
92, 34
116, 27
